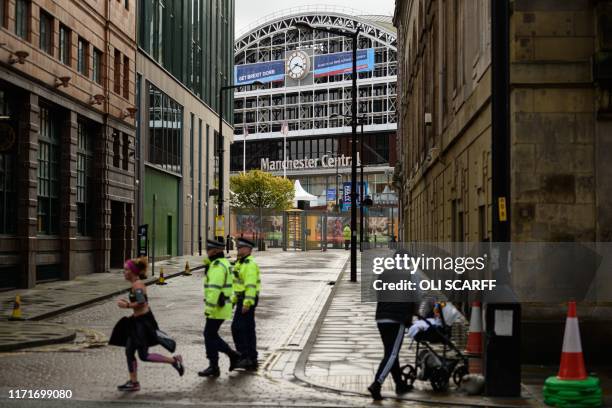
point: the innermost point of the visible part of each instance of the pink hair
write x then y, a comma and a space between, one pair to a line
131, 265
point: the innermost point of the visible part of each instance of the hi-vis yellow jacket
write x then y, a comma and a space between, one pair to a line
218, 290
247, 280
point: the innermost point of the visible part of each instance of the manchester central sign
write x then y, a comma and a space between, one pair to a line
307, 163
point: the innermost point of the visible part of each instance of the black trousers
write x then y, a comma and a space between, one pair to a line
392, 335
243, 331
347, 244
214, 343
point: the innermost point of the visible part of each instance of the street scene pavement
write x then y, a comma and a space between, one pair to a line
296, 287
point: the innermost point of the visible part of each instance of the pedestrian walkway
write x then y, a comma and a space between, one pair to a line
53, 298
347, 349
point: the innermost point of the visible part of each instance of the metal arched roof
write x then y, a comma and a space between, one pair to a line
378, 28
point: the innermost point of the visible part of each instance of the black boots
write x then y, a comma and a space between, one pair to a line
212, 371
374, 389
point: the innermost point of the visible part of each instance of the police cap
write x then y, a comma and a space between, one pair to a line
214, 244
243, 242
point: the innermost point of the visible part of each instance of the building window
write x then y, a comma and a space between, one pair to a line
22, 18
48, 174
46, 33
8, 155
126, 77
116, 149
126, 151
84, 180
83, 57
117, 72
65, 43
165, 131
3, 4
97, 66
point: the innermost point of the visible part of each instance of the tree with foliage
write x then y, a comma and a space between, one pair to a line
259, 189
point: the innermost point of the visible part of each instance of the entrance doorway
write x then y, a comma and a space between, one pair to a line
118, 253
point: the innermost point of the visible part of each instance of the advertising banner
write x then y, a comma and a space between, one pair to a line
263, 72
346, 194
342, 63
331, 194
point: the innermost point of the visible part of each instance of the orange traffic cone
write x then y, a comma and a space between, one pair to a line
187, 271
474, 341
572, 360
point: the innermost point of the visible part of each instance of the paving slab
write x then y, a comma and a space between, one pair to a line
344, 353
22, 334
53, 298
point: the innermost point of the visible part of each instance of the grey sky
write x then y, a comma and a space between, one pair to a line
248, 11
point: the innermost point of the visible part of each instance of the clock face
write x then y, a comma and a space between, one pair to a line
298, 65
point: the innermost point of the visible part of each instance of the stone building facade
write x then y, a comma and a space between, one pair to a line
67, 137
560, 127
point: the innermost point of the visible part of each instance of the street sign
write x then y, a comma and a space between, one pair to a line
219, 226
503, 215
143, 240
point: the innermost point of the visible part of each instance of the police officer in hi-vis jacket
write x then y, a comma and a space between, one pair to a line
217, 307
247, 284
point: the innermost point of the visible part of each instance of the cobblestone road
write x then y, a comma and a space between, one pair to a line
292, 283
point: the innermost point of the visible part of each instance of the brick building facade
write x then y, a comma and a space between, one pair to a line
67, 136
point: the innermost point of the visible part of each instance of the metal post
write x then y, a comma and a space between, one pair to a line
221, 153
337, 176
361, 196
153, 236
354, 162
502, 362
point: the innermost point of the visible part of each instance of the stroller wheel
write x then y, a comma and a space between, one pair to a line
459, 373
408, 374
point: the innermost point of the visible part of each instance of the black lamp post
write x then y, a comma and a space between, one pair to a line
221, 146
361, 122
353, 35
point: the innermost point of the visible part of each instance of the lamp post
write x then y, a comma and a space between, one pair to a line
361, 122
353, 35
221, 145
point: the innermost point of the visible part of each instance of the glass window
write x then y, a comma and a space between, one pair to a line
8, 155
65, 36
3, 4
117, 72
48, 174
165, 131
97, 66
22, 18
126, 77
84, 197
83, 56
46, 33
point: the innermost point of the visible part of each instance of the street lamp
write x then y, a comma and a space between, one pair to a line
335, 156
221, 144
353, 35
361, 122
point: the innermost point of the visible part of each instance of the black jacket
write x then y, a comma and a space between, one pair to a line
400, 312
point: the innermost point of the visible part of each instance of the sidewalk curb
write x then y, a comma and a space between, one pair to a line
300, 367
150, 281
69, 336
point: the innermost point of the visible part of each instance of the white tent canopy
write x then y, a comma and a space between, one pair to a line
301, 194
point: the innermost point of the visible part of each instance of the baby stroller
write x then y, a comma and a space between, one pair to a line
436, 367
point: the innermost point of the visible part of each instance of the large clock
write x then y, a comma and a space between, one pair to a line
298, 65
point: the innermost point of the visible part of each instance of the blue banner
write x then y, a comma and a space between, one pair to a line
342, 63
263, 72
331, 194
346, 194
